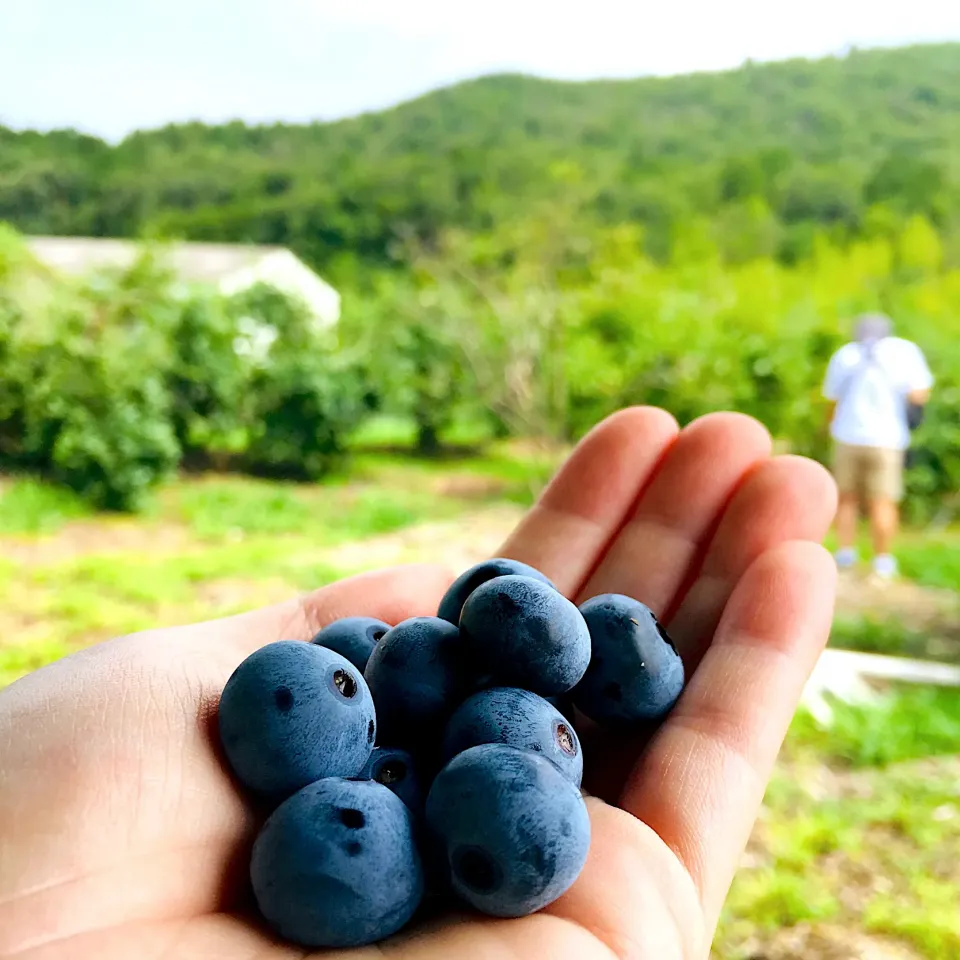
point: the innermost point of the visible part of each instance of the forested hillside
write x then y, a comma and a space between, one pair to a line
768, 152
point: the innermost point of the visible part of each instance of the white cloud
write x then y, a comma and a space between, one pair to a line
618, 38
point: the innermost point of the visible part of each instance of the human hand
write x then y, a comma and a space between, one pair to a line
122, 835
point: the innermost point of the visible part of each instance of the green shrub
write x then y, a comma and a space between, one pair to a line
209, 380
85, 376
539, 330
107, 383
405, 348
304, 400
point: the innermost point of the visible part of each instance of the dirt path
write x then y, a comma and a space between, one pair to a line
828, 942
921, 608
456, 543
461, 542
101, 537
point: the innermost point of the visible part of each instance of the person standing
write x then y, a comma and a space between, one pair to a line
873, 384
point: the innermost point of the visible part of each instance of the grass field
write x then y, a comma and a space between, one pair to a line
858, 847
212, 546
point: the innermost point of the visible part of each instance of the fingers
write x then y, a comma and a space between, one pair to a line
700, 782
654, 552
566, 532
786, 498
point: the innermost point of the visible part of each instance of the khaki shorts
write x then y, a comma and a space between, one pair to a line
871, 473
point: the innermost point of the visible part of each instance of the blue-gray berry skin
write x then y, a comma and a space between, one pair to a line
635, 674
336, 865
399, 771
292, 713
526, 634
418, 675
517, 718
468, 581
513, 831
353, 638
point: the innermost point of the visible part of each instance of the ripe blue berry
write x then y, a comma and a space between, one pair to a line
635, 673
417, 675
336, 865
353, 638
526, 634
397, 770
514, 831
292, 713
468, 581
517, 718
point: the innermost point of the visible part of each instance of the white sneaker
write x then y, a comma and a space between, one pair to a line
846, 558
885, 566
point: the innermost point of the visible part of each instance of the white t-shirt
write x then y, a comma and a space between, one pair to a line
870, 386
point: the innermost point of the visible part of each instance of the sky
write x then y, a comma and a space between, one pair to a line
112, 66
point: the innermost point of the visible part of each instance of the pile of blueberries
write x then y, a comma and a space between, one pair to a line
436, 761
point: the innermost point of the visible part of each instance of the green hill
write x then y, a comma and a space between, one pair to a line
803, 143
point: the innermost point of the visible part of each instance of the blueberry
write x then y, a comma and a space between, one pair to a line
336, 865
468, 581
527, 634
635, 674
398, 771
514, 832
417, 675
353, 638
517, 718
293, 713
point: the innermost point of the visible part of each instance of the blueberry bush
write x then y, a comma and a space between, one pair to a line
109, 383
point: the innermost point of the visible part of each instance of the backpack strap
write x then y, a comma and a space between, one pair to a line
866, 359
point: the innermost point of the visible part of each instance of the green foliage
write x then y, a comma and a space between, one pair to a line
931, 924
902, 725
303, 398
32, 506
776, 898
407, 349
698, 335
822, 841
934, 560
106, 383
892, 637
85, 388
208, 379
816, 143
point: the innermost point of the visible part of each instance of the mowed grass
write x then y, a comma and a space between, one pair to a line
32, 506
213, 546
860, 830
877, 854
931, 558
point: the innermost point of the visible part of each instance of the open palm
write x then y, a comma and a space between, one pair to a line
122, 836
